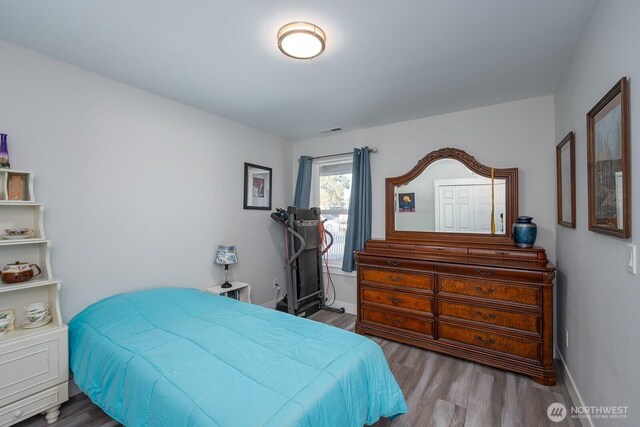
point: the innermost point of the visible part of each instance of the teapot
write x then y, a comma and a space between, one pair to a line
19, 272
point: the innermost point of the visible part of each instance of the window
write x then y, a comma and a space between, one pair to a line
330, 191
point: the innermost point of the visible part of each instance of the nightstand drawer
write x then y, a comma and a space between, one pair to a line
420, 281
31, 365
397, 299
33, 405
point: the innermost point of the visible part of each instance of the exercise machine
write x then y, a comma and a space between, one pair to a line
305, 246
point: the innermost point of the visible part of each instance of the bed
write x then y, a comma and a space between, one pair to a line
183, 357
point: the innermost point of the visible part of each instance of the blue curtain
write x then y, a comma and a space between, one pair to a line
359, 222
303, 183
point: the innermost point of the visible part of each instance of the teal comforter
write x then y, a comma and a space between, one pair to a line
182, 357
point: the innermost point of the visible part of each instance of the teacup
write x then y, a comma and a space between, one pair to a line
5, 323
36, 307
37, 317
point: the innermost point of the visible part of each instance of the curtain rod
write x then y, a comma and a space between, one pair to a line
371, 150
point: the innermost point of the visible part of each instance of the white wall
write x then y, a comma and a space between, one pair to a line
597, 298
514, 134
139, 190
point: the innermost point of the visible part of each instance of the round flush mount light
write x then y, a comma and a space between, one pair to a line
301, 40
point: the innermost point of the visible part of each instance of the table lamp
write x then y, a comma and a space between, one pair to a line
226, 255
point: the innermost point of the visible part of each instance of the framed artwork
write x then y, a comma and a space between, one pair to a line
566, 177
406, 202
609, 167
257, 187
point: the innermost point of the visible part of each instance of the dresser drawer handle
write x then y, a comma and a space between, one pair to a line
394, 263
485, 341
502, 253
394, 278
394, 300
484, 272
396, 320
484, 316
17, 414
485, 291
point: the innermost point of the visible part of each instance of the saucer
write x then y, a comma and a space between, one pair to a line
28, 325
20, 237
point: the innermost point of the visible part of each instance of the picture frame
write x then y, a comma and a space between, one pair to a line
609, 166
257, 187
566, 180
407, 202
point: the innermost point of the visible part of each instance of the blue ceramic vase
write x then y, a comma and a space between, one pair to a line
524, 232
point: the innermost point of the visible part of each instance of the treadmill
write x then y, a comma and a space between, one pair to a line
303, 243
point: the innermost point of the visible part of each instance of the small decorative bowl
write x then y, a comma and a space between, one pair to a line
20, 231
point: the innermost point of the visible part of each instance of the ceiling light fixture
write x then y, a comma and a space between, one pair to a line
301, 40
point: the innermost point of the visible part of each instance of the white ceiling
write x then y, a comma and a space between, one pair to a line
386, 61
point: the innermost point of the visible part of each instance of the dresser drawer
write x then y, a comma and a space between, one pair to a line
477, 338
32, 365
481, 272
507, 319
399, 278
397, 299
398, 320
33, 404
521, 294
403, 264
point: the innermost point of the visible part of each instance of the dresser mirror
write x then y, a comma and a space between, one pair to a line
449, 196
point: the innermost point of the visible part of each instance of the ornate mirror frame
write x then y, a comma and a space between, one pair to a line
511, 194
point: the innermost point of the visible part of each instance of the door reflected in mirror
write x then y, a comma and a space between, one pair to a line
449, 197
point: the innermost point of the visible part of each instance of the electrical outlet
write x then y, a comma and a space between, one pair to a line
566, 338
275, 283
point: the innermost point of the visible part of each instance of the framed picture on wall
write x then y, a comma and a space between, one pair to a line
257, 187
566, 178
609, 167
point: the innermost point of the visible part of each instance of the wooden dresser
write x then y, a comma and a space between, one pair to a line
489, 304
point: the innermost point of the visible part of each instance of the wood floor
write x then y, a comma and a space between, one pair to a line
439, 390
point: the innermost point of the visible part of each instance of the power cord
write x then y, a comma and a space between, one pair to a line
323, 239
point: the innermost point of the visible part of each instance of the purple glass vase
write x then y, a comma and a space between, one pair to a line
4, 151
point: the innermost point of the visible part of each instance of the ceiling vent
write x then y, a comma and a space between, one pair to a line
327, 131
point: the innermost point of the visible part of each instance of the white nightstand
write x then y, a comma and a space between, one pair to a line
238, 290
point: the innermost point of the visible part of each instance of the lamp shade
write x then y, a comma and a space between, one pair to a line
226, 254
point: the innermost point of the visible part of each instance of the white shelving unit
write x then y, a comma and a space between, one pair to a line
244, 291
34, 363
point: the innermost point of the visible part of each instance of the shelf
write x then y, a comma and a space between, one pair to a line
31, 251
244, 290
4, 287
19, 333
7, 242
10, 179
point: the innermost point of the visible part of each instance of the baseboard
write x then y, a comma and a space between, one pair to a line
269, 304
573, 389
348, 307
